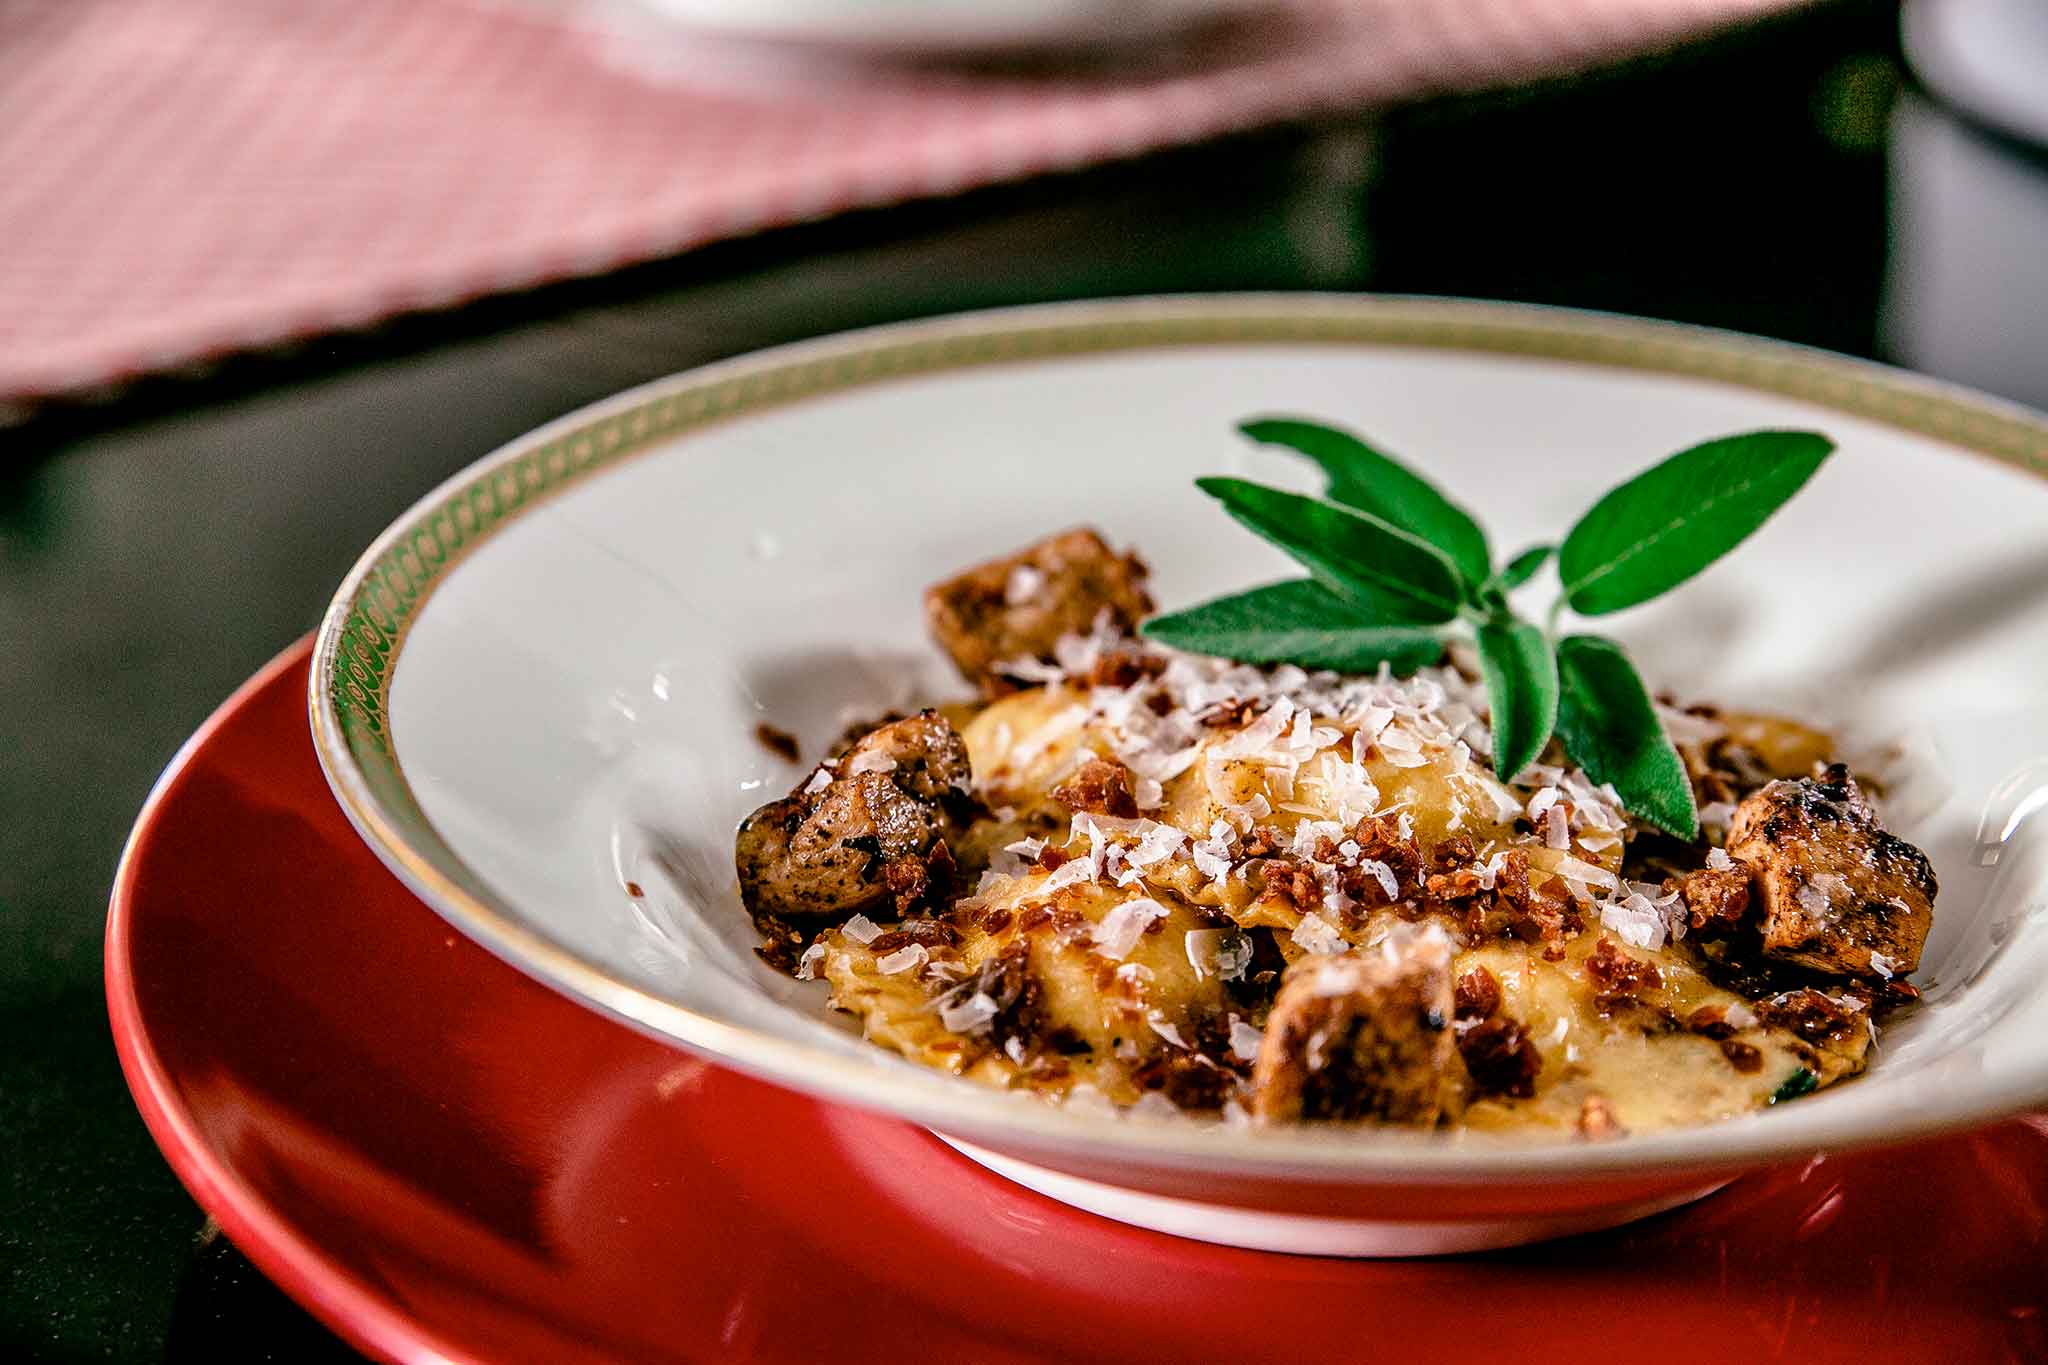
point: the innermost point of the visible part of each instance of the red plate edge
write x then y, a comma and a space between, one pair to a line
332, 1295
359, 1313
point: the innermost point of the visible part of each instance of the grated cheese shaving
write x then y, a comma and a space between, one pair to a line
1165, 1028
1223, 953
1123, 926
1317, 935
1023, 586
1245, 1040
903, 959
1634, 921
971, 1015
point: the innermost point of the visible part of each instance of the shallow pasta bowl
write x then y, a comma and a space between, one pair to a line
536, 694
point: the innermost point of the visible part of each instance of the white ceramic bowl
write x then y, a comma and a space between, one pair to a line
542, 682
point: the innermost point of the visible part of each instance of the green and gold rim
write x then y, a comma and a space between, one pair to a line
364, 630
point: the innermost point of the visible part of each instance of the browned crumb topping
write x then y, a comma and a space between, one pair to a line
1502, 1059
1379, 839
1290, 882
1477, 994
1716, 898
927, 933
1618, 978
781, 743
1711, 1021
916, 882
1098, 787
1202, 1078
1228, 715
1512, 908
1451, 884
1123, 668
782, 943
1742, 1056
1544, 916
1810, 1014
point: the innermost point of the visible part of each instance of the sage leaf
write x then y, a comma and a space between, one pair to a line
1521, 568
1610, 729
1373, 482
1385, 571
1675, 518
1521, 689
1300, 622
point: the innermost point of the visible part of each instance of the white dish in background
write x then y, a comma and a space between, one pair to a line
1966, 278
1989, 58
543, 681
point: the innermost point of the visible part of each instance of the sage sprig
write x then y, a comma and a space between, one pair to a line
1394, 562
1298, 621
1385, 571
1672, 520
1382, 487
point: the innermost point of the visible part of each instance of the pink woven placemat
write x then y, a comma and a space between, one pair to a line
181, 179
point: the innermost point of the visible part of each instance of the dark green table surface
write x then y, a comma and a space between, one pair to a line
158, 547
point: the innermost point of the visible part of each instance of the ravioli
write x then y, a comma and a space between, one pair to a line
1137, 886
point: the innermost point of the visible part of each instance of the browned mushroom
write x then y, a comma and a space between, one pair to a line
1360, 1035
871, 833
1838, 893
1019, 606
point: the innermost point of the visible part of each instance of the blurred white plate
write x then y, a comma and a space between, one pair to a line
542, 682
1966, 279
1989, 58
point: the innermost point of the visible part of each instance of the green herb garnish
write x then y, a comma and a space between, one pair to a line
1394, 561
1800, 1082
1299, 621
1610, 729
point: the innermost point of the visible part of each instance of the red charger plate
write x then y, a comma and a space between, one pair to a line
447, 1162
